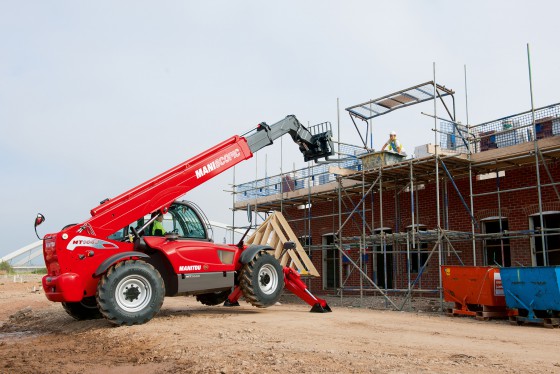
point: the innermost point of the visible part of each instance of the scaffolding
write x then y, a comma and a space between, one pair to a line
356, 193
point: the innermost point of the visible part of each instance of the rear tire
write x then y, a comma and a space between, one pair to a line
213, 298
262, 280
130, 293
83, 310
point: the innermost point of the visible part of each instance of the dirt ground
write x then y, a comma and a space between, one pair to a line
37, 336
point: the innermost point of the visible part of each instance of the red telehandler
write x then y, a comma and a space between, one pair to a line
117, 265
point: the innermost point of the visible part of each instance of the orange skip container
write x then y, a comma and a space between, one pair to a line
475, 290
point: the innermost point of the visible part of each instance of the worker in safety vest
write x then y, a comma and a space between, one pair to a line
157, 228
393, 144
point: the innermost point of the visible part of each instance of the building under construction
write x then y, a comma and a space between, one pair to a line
384, 223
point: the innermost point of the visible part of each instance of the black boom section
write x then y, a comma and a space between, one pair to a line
312, 146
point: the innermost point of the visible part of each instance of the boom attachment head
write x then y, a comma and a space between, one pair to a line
321, 146
314, 143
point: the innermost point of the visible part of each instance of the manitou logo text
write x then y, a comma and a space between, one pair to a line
86, 241
190, 267
218, 163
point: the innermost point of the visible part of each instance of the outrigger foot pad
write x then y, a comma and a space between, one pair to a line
229, 303
317, 308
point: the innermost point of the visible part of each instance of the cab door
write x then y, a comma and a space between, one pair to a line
187, 245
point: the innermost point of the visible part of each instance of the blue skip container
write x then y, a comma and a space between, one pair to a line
534, 291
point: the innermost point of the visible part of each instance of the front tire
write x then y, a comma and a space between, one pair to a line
83, 310
262, 280
130, 293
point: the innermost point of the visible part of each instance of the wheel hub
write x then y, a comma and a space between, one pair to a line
265, 279
268, 279
131, 293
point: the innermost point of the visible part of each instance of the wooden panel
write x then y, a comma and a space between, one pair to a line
275, 231
296, 263
299, 249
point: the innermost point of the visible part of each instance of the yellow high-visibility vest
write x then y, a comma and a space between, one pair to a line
158, 226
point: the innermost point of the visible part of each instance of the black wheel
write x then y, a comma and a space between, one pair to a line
83, 310
130, 293
213, 298
262, 280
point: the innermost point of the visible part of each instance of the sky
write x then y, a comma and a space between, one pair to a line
98, 96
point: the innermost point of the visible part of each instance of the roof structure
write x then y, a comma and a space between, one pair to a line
400, 99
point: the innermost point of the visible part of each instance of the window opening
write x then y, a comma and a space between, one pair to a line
493, 246
331, 262
418, 256
383, 261
551, 237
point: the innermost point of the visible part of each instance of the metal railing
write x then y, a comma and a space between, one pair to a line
301, 178
502, 132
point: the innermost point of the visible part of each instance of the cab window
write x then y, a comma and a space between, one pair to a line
119, 235
182, 220
187, 221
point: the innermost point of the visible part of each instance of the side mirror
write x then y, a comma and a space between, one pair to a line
39, 219
287, 246
250, 219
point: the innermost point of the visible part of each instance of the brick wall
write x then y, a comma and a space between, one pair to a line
515, 206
